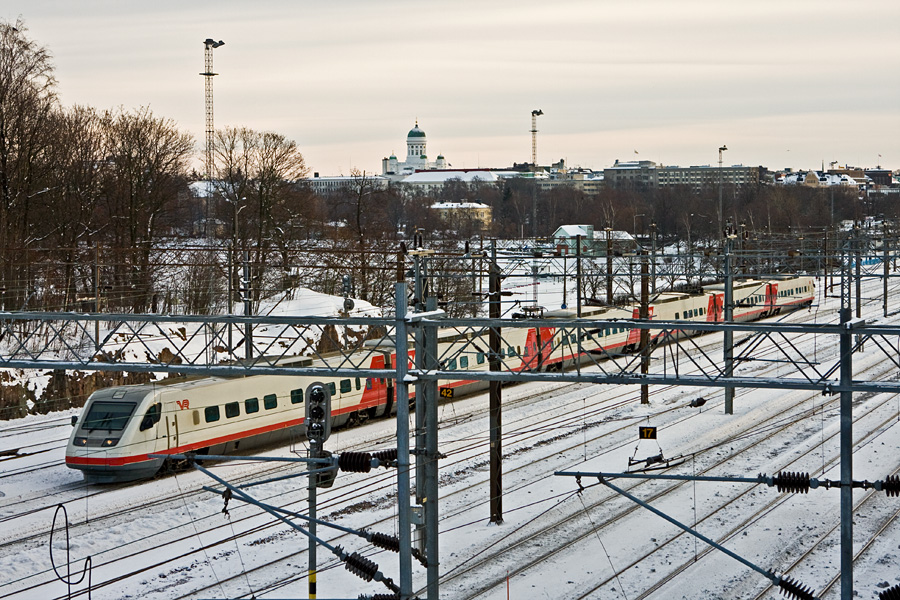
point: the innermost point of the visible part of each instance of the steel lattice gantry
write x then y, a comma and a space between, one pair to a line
198, 346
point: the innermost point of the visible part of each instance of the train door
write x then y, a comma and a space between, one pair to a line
531, 360
716, 307
771, 298
177, 415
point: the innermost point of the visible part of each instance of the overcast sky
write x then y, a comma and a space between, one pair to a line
786, 83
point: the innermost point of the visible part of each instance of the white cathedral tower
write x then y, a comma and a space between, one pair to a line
416, 157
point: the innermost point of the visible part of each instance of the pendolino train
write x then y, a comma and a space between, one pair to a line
121, 426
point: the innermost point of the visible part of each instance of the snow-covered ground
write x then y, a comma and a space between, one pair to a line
168, 538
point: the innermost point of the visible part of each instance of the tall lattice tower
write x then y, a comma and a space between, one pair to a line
209, 44
534, 115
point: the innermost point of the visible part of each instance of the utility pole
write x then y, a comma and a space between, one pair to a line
430, 501
209, 45
578, 277
609, 263
653, 257
97, 295
419, 357
495, 394
248, 308
846, 433
728, 318
645, 333
403, 507
887, 263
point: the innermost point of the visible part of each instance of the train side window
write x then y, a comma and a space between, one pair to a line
452, 365
358, 384
211, 413
270, 401
510, 351
479, 358
518, 350
332, 389
297, 396
464, 362
345, 386
232, 409
251, 405
152, 417
196, 415
702, 311
677, 316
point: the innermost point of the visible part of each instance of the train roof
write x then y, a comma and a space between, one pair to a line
588, 312
669, 297
738, 285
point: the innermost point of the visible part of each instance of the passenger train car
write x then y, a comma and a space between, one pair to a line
121, 426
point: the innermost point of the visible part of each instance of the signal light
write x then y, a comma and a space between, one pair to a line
318, 413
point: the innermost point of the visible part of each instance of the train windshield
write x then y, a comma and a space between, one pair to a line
112, 416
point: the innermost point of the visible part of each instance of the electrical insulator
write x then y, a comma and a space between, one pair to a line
797, 483
361, 566
318, 413
892, 593
383, 540
355, 462
385, 455
794, 589
891, 486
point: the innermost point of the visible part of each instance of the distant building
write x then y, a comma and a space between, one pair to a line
416, 158
593, 242
565, 238
823, 179
558, 175
630, 174
707, 176
647, 174
434, 180
453, 213
323, 186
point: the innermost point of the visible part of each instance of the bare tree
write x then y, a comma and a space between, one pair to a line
145, 176
27, 99
259, 171
69, 206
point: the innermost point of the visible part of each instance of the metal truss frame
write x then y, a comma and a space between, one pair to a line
197, 346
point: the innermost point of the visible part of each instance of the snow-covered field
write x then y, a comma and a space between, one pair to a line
168, 538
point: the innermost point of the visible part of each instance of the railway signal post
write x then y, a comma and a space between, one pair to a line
318, 428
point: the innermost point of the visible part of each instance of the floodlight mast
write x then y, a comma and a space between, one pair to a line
534, 115
209, 44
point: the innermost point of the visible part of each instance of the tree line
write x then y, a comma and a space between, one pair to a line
100, 207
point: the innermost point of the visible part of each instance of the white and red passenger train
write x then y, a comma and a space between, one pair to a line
121, 426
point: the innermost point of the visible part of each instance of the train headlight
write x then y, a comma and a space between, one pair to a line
80, 441
108, 442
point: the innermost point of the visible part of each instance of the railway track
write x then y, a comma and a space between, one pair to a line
738, 522
466, 449
507, 474
617, 509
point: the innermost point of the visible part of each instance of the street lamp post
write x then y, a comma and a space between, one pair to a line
722, 148
634, 228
